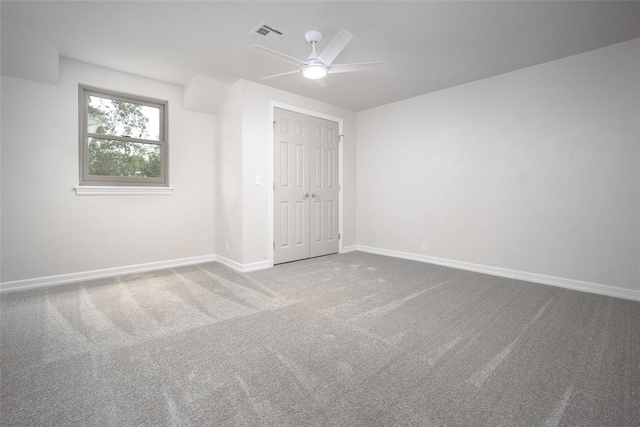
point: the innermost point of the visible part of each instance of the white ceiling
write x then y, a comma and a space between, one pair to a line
425, 46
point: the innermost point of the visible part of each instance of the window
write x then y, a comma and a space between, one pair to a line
123, 139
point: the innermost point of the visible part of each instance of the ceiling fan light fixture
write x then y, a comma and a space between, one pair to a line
314, 71
317, 66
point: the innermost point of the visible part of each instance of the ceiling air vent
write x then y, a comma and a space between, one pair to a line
267, 32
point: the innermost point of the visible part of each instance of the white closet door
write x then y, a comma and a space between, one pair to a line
324, 189
306, 187
291, 189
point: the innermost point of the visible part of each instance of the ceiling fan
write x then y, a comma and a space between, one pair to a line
317, 66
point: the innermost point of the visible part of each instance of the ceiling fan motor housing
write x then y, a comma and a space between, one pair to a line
313, 36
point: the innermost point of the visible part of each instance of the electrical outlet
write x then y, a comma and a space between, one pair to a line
226, 246
258, 180
424, 246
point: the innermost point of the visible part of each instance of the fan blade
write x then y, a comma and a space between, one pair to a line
323, 82
334, 48
346, 68
279, 55
279, 75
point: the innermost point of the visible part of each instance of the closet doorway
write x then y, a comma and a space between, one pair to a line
306, 186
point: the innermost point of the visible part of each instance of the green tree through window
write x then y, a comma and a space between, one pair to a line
121, 158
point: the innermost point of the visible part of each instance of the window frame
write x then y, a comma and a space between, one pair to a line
163, 141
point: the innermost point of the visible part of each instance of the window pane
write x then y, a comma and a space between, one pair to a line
112, 117
122, 158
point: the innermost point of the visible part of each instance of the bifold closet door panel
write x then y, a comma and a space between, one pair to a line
324, 140
291, 186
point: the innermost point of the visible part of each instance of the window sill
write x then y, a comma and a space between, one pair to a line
85, 190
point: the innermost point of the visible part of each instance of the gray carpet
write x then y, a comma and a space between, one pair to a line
352, 339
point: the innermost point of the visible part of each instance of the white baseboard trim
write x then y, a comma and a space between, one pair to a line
255, 266
578, 285
561, 282
18, 285
244, 268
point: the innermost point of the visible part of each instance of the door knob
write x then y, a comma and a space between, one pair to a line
305, 196
315, 196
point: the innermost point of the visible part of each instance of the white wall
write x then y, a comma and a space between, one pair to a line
48, 230
243, 151
536, 170
40, 64
228, 163
256, 154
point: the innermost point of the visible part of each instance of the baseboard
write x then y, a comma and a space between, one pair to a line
255, 266
244, 268
578, 285
561, 282
18, 285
